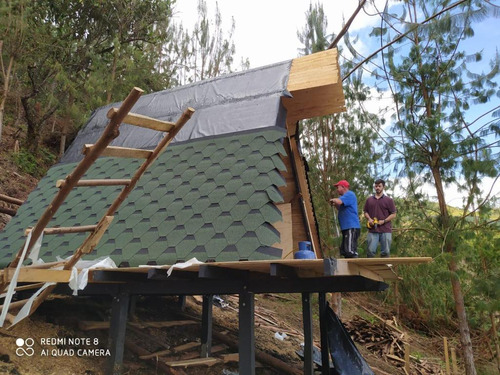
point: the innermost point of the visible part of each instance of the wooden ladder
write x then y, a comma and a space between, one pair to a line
91, 152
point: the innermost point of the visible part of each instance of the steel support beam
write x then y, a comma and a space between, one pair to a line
246, 339
206, 326
118, 326
308, 334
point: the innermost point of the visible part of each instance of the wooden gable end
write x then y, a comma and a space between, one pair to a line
316, 88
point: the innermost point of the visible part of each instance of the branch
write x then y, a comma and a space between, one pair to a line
347, 25
402, 36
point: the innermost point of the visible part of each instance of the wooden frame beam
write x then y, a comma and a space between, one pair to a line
315, 85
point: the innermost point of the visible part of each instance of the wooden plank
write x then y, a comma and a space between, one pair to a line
8, 211
194, 362
28, 287
15, 305
156, 354
303, 188
102, 182
164, 324
185, 347
38, 275
316, 87
231, 357
137, 350
46, 265
120, 152
349, 269
144, 121
393, 261
177, 349
315, 265
87, 325
11, 200
63, 230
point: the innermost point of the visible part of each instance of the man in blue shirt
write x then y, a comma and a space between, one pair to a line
347, 205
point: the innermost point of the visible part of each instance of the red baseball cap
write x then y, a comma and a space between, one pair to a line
343, 183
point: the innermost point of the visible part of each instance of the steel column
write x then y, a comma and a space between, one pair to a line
118, 326
246, 333
308, 334
206, 326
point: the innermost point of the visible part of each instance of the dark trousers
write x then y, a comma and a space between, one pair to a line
349, 246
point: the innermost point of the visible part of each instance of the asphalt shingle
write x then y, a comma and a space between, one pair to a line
210, 198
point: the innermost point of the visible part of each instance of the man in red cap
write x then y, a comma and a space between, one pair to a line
347, 205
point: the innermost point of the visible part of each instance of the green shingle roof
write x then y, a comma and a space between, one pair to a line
213, 199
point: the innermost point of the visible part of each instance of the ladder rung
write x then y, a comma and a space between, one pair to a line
29, 286
121, 152
144, 121
61, 230
104, 182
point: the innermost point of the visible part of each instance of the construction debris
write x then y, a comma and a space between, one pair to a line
384, 343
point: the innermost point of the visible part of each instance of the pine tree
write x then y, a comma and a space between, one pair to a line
434, 138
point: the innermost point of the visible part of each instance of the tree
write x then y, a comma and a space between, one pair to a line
435, 137
11, 37
80, 50
207, 52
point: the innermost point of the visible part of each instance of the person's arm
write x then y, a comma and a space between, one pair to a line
368, 218
392, 216
388, 218
367, 215
335, 202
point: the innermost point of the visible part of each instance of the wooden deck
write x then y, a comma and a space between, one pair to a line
377, 269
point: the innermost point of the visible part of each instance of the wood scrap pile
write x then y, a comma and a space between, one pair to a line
266, 319
385, 342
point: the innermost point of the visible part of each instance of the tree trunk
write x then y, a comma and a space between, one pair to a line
463, 325
32, 131
6, 83
495, 338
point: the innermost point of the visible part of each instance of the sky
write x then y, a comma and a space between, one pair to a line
266, 33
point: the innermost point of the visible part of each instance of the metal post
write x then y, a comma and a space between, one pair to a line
206, 326
181, 302
308, 336
246, 334
117, 330
323, 327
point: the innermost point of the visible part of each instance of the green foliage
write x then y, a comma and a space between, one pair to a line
34, 165
80, 55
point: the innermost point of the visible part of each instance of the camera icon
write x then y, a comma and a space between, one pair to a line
25, 347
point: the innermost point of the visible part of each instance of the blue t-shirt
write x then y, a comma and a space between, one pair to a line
348, 211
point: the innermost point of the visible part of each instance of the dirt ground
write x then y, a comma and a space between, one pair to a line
62, 318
